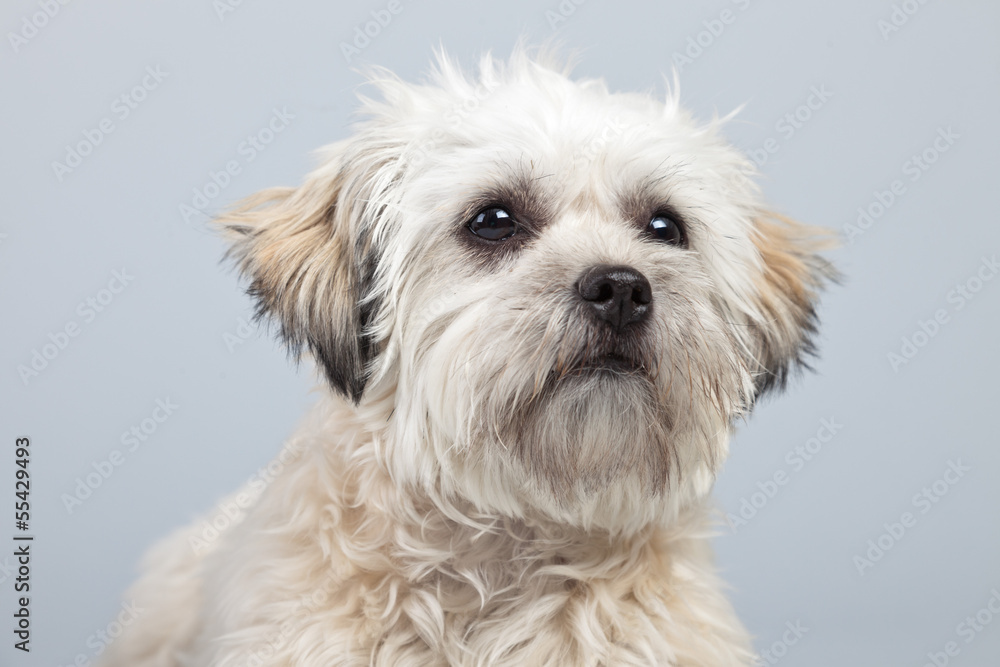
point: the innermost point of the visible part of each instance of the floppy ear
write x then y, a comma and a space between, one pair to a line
310, 265
792, 273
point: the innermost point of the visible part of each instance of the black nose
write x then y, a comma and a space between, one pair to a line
619, 295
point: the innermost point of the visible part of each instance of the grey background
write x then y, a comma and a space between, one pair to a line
164, 335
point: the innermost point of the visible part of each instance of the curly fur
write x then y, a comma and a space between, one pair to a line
474, 487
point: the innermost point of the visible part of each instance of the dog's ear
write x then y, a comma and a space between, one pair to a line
792, 271
307, 254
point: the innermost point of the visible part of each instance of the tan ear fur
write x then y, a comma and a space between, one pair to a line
792, 274
299, 251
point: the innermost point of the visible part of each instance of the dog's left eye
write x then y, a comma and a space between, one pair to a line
493, 224
666, 229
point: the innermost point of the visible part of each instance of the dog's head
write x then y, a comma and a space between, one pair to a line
564, 296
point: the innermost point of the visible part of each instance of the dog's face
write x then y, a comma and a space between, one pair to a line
553, 300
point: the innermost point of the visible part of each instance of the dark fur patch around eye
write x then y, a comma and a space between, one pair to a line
642, 203
519, 196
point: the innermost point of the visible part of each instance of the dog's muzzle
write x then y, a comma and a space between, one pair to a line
618, 301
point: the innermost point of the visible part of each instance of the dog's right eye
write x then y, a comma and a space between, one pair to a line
493, 224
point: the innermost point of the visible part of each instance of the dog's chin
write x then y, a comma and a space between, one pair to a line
613, 365
599, 425
623, 355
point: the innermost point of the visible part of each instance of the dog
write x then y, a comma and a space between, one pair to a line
538, 308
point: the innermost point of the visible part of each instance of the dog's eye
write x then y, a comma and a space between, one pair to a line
665, 228
493, 224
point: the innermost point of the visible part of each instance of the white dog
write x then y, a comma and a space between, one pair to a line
539, 308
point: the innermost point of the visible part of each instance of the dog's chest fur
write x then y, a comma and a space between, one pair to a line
345, 570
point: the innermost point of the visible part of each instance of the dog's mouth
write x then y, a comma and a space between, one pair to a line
621, 361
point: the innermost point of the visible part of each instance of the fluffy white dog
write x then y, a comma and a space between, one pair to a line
539, 308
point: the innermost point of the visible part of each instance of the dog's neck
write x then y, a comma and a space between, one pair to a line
402, 569
452, 539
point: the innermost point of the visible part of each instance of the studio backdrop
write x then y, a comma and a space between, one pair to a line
858, 511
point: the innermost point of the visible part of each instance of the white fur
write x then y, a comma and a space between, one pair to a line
483, 502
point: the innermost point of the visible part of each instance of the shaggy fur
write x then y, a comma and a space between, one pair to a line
493, 476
